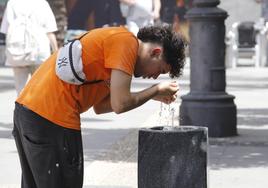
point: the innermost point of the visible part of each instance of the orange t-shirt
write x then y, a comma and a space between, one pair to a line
62, 103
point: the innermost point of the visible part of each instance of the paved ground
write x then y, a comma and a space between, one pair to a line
110, 141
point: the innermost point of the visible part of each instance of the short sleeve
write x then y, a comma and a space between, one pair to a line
4, 24
120, 52
50, 21
8, 17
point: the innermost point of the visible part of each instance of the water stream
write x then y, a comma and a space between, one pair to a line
166, 115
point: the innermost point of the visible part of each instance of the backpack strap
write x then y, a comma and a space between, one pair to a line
72, 66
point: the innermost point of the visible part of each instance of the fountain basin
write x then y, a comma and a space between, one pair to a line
174, 157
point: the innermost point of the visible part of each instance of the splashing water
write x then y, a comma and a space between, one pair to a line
166, 115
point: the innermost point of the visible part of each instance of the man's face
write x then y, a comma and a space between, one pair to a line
151, 65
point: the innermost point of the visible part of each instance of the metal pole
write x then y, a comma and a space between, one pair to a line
208, 104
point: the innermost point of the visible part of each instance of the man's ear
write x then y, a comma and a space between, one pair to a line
156, 52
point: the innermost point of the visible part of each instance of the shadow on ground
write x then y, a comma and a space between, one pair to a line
101, 144
5, 130
253, 117
248, 149
6, 83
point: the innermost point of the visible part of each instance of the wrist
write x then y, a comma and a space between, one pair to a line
156, 89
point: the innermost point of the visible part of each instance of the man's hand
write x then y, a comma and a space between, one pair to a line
166, 99
123, 100
167, 92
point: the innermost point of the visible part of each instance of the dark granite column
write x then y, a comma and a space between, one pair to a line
172, 157
208, 104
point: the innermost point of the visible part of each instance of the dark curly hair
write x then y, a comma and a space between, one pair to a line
173, 45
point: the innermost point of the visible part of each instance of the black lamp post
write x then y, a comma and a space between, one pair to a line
208, 104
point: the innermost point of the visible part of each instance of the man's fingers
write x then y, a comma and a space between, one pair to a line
174, 85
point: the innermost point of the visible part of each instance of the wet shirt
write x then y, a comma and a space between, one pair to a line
62, 103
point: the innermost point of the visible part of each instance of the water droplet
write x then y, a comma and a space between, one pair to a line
172, 159
204, 146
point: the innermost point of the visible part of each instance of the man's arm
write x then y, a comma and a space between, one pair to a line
53, 41
4, 23
123, 100
104, 106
